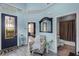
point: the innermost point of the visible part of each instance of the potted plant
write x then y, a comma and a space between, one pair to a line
48, 45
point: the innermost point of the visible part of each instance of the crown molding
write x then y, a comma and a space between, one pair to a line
27, 10
14, 6
18, 9
40, 10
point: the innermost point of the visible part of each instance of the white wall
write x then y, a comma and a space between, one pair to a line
49, 36
55, 11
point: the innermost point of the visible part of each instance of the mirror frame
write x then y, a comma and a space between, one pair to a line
40, 26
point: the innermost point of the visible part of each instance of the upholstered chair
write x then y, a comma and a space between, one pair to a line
41, 49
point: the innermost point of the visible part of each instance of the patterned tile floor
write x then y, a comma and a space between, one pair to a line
50, 53
24, 51
21, 51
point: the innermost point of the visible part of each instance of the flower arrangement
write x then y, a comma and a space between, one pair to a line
48, 44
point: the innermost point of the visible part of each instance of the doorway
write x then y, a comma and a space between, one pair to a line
9, 30
31, 34
66, 35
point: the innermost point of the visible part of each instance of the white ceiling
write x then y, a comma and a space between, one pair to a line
32, 7
18, 5
36, 6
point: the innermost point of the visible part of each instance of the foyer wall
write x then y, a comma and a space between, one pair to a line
55, 11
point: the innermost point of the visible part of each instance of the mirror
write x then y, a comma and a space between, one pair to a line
46, 25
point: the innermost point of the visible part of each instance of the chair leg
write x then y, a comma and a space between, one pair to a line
32, 52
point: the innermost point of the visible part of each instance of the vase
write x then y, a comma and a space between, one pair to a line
47, 49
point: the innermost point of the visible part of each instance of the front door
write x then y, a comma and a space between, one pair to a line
9, 30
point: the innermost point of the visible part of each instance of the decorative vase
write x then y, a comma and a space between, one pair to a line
47, 49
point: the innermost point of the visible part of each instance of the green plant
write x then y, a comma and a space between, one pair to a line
48, 44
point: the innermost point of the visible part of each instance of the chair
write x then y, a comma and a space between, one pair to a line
41, 46
31, 42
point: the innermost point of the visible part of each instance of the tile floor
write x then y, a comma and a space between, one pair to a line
24, 51
65, 50
50, 53
21, 51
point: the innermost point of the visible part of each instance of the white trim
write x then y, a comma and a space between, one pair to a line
77, 32
13, 6
40, 10
27, 33
73, 12
30, 11
0, 32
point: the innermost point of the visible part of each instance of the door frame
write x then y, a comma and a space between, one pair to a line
15, 29
75, 25
27, 31
34, 26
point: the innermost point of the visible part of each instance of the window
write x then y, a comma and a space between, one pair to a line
9, 27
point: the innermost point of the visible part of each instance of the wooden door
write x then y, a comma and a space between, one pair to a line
63, 30
71, 30
74, 30
67, 30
